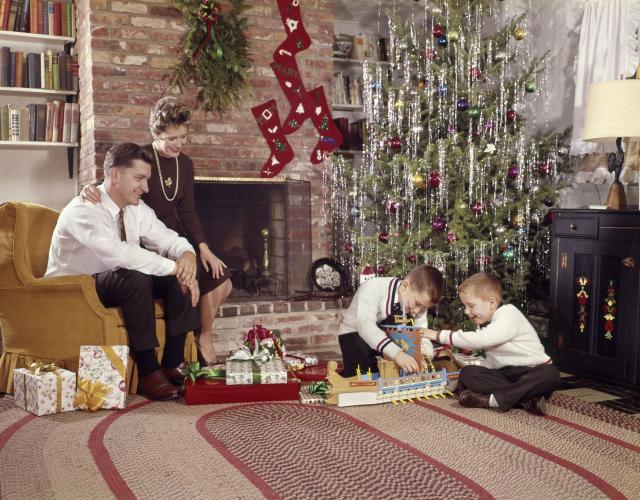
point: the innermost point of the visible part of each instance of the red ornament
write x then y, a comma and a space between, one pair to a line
393, 206
412, 258
438, 31
475, 73
348, 247
434, 179
395, 143
477, 208
511, 115
438, 224
383, 237
380, 271
543, 168
452, 237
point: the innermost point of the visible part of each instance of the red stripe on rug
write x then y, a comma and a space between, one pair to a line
602, 485
597, 434
257, 481
266, 489
6, 434
102, 458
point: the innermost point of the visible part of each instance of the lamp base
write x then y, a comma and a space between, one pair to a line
616, 199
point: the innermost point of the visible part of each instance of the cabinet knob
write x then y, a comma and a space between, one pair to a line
573, 226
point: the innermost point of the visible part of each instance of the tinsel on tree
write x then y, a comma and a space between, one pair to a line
452, 174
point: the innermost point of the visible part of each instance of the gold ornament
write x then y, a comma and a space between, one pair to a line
518, 220
519, 33
419, 181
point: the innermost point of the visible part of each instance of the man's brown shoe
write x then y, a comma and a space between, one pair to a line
470, 399
176, 375
536, 406
156, 386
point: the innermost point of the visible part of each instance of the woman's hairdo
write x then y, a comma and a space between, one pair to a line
168, 112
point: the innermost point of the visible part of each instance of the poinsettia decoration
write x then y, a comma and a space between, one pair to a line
215, 53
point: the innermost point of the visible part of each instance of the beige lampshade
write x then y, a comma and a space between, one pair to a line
613, 110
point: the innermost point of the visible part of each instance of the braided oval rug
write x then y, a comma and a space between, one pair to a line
429, 450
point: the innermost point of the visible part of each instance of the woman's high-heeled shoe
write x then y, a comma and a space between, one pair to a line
202, 359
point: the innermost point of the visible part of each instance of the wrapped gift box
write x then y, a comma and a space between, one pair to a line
306, 358
45, 393
307, 397
248, 372
216, 391
106, 364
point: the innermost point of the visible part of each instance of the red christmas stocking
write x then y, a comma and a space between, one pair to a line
290, 81
297, 37
330, 136
266, 114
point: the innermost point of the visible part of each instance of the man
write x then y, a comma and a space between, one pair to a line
104, 240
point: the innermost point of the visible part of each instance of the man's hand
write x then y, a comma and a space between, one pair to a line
192, 288
406, 362
186, 268
90, 193
210, 262
430, 334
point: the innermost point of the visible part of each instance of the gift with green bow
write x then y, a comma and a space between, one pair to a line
255, 366
44, 389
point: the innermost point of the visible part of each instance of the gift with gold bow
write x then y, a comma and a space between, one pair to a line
91, 395
44, 388
106, 364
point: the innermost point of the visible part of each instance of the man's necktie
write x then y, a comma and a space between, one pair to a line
123, 231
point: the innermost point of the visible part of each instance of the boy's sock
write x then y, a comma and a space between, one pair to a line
492, 402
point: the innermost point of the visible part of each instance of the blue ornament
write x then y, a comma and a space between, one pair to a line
443, 41
376, 85
463, 104
442, 90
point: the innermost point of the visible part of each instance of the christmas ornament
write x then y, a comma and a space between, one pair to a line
442, 90
392, 206
475, 73
443, 42
474, 112
508, 253
205, 58
438, 224
517, 220
452, 237
395, 143
462, 104
412, 258
513, 171
348, 247
383, 237
543, 168
511, 115
355, 212
491, 148
477, 208
530, 87
548, 202
438, 30
418, 181
454, 36
380, 271
434, 179
519, 33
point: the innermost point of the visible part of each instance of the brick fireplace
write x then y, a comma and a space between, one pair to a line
126, 51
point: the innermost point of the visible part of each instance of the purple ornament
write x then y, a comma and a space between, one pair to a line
543, 168
392, 206
380, 270
438, 224
477, 208
383, 237
462, 104
412, 258
513, 171
451, 237
434, 179
488, 125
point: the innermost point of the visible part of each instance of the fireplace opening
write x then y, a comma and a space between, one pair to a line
261, 229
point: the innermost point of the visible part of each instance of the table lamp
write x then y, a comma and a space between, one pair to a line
613, 113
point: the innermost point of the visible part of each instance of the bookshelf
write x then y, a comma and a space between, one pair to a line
50, 53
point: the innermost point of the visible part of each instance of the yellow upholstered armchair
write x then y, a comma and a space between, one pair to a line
48, 319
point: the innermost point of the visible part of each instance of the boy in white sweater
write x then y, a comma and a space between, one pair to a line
517, 370
377, 302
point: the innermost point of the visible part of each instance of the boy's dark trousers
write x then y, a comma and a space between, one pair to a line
357, 353
511, 385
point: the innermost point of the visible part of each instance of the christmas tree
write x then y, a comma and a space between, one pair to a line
452, 173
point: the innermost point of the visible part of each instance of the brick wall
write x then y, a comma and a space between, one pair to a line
126, 50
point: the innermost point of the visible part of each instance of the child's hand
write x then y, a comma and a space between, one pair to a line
406, 362
430, 334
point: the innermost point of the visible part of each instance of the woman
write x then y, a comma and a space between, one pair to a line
171, 197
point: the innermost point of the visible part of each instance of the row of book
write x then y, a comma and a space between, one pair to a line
353, 134
44, 17
53, 121
45, 70
347, 89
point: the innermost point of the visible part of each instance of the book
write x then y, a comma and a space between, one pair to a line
24, 123
42, 75
4, 13
5, 66
12, 14
12, 69
51, 18
19, 9
4, 122
66, 122
75, 122
45, 17
14, 124
33, 63
33, 118
56, 122
24, 20
41, 121
57, 19
19, 69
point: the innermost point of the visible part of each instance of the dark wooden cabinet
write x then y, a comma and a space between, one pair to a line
594, 324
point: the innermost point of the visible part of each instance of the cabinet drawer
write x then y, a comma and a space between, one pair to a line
576, 227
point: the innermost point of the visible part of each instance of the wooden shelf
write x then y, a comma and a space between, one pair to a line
347, 107
32, 37
37, 144
30, 91
341, 60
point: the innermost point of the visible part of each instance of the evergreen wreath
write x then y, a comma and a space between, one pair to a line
216, 53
